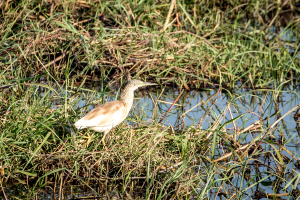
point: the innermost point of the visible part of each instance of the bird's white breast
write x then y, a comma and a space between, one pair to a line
104, 117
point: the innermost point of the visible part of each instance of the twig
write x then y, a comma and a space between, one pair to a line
208, 110
52, 62
234, 126
201, 103
4, 193
160, 101
177, 18
202, 38
169, 14
169, 168
229, 154
171, 106
62, 146
6, 86
276, 122
260, 107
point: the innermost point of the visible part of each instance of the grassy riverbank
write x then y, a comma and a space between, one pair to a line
191, 45
56, 55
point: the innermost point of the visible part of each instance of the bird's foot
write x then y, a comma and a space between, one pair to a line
88, 140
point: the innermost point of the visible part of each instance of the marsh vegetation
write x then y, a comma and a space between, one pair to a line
229, 68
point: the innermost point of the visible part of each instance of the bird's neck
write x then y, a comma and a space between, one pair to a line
127, 97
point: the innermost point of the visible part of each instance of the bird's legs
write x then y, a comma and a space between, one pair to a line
89, 138
103, 142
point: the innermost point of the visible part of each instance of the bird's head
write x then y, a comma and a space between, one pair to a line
135, 84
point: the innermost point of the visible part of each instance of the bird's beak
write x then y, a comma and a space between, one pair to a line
148, 83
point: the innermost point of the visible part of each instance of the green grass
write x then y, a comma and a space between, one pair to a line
216, 44
150, 161
55, 55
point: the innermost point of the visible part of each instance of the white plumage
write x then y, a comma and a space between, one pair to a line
106, 116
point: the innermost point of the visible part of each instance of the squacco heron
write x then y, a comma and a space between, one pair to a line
108, 115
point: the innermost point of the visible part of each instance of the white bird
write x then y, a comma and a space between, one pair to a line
108, 115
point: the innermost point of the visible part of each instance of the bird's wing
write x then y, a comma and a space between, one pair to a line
108, 114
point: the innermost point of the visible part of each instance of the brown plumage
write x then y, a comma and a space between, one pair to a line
106, 116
